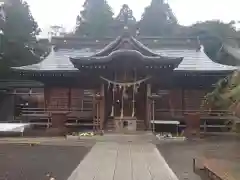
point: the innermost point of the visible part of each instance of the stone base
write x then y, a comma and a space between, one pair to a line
126, 124
57, 131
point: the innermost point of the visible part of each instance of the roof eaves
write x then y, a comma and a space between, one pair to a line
47, 71
201, 71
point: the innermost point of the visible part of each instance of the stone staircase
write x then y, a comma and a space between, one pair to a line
110, 125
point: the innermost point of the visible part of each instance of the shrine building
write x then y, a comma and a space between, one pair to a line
122, 84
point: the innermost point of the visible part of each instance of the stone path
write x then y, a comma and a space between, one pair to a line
123, 161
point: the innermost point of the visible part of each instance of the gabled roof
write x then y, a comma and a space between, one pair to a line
126, 45
194, 59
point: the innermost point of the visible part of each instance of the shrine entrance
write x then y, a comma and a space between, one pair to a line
125, 66
126, 94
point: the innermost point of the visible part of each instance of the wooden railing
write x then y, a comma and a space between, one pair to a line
42, 116
203, 113
209, 119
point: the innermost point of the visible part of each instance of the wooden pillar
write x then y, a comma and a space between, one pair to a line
102, 107
46, 97
95, 118
46, 101
148, 107
153, 115
70, 99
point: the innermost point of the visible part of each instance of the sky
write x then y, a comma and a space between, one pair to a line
64, 12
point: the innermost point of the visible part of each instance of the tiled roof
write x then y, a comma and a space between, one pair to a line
57, 61
193, 60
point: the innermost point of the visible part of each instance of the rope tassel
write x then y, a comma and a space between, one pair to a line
112, 113
121, 117
133, 112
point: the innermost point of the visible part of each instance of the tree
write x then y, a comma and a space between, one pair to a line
18, 43
158, 19
124, 18
212, 34
95, 19
225, 96
57, 31
2, 16
126, 15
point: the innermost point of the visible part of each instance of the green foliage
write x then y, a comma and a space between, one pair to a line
214, 28
95, 19
158, 20
20, 24
226, 95
18, 43
125, 17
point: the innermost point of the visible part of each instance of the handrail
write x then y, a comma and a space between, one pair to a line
196, 111
57, 109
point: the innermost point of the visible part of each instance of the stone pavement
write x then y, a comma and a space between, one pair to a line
123, 161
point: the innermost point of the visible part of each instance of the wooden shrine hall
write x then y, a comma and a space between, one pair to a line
123, 84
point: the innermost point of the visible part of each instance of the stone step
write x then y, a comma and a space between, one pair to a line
110, 125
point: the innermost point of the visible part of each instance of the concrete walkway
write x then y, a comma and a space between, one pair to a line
123, 161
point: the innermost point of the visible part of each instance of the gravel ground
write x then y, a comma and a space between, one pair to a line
23, 162
179, 155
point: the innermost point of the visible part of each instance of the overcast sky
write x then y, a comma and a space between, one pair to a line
64, 12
